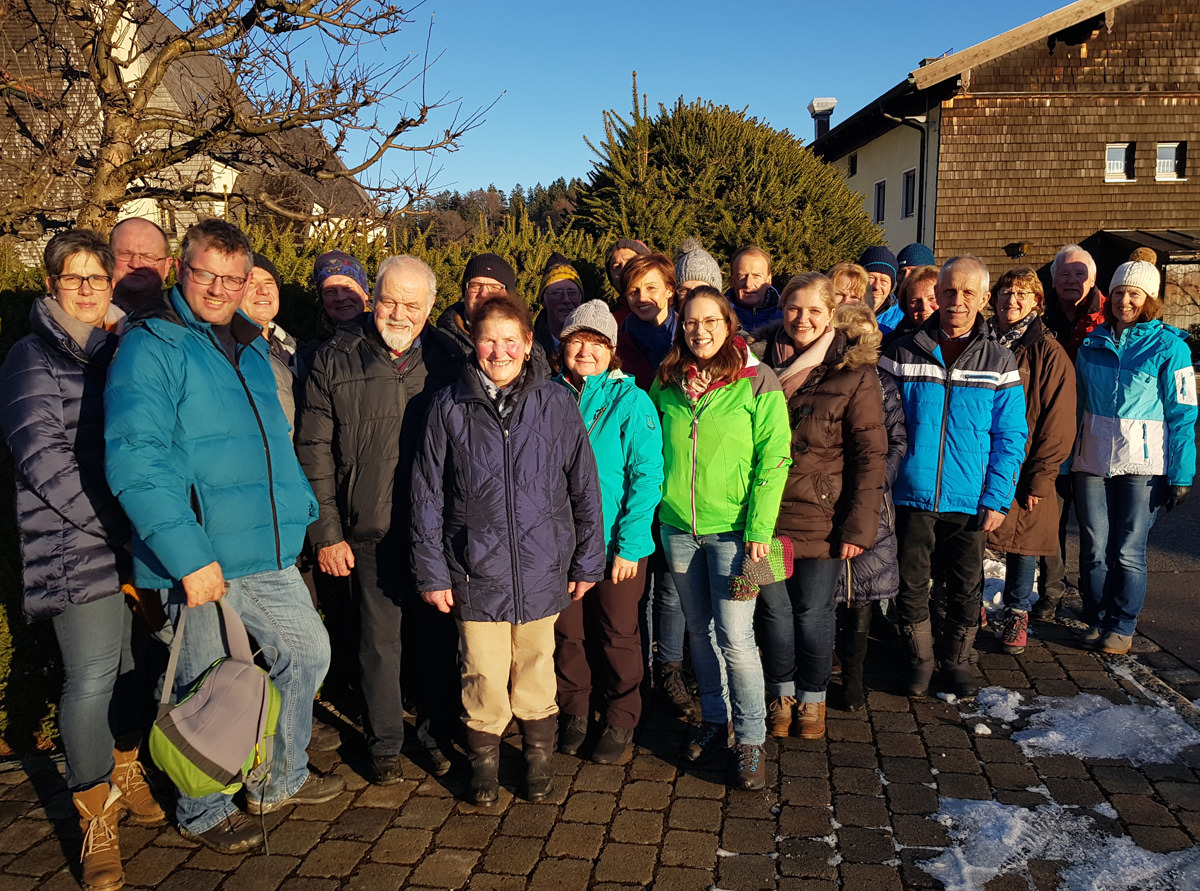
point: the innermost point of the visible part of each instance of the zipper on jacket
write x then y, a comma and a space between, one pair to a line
512, 525
695, 448
262, 432
937, 489
849, 581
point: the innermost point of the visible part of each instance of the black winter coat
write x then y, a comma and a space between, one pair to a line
52, 413
506, 512
361, 427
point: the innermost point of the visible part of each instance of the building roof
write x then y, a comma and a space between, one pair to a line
930, 84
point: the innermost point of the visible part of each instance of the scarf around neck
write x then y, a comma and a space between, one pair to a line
793, 377
653, 341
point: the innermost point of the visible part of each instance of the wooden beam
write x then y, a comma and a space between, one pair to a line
1023, 35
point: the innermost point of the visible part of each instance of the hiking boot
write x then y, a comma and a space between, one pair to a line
673, 690
957, 673
779, 715
706, 741
317, 789
748, 767
571, 733
1044, 611
810, 720
613, 745
236, 834
386, 770
324, 738
137, 800
1115, 644
483, 751
538, 744
1089, 636
1016, 627
99, 812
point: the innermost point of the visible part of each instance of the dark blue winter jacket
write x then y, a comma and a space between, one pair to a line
52, 413
506, 512
199, 451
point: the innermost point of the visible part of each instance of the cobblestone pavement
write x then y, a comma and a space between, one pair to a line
851, 811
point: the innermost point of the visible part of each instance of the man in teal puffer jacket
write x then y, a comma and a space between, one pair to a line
198, 453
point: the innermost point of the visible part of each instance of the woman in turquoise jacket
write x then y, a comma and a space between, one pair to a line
624, 432
1135, 451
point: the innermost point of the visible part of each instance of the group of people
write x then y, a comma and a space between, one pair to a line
524, 513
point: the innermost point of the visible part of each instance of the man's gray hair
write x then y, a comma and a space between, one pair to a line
1068, 249
978, 264
406, 261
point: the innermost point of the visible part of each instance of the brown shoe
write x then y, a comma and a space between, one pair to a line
137, 800
779, 715
810, 720
99, 812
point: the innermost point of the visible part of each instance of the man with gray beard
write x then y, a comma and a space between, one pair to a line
362, 420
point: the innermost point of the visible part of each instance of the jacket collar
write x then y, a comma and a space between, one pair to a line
171, 318
926, 337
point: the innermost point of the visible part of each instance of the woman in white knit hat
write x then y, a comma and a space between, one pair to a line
1135, 453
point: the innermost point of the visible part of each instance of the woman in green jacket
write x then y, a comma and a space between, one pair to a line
624, 431
726, 448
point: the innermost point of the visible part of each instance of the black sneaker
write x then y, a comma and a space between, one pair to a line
673, 690
439, 764
748, 767
317, 789
613, 745
572, 731
706, 740
386, 770
236, 834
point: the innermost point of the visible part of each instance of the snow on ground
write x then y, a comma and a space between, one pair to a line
993, 839
996, 702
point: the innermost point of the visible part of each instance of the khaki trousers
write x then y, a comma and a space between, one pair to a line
507, 671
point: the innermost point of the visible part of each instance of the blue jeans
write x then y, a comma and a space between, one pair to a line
777, 639
1019, 570
666, 613
1115, 516
99, 689
278, 613
721, 630
811, 589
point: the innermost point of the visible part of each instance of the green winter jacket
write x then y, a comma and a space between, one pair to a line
624, 432
725, 458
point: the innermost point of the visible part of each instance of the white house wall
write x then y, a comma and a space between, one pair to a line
886, 158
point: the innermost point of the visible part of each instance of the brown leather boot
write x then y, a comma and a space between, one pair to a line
810, 720
136, 798
99, 812
779, 715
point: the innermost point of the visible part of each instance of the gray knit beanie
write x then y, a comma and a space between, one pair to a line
591, 316
694, 264
1139, 274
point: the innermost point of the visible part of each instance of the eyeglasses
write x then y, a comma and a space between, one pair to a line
130, 256
486, 288
707, 324
1019, 295
71, 282
204, 277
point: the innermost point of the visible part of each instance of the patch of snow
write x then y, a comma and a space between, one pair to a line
947, 697
830, 839
721, 852
982, 729
834, 860
1105, 809
1042, 791
992, 839
883, 780
998, 703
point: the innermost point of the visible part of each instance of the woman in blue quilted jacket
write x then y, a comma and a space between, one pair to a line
74, 537
506, 533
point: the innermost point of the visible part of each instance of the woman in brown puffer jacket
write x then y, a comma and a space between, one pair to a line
1029, 534
834, 490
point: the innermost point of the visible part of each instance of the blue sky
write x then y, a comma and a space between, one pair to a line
559, 65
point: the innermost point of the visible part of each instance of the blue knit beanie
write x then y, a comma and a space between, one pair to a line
879, 259
915, 254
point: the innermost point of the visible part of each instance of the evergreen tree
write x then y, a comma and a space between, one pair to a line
707, 170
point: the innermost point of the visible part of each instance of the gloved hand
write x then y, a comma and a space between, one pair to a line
1176, 495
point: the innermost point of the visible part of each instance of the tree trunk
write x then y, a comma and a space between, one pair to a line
102, 195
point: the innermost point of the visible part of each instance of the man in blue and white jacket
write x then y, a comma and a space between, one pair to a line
965, 415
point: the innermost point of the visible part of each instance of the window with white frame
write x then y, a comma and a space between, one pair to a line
1171, 161
880, 197
1118, 162
908, 193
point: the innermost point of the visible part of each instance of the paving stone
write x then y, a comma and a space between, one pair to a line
859, 845
43, 858
878, 700
992, 750
911, 874
1118, 780
803, 764
1159, 839
1044, 670
684, 848
1045, 874
674, 878
489, 882
901, 745
332, 858
695, 813
206, 859
873, 876
1011, 776
750, 871
861, 810
1094, 681
64, 880
261, 873
626, 863
1173, 773
793, 884
466, 831
590, 807
327, 812
911, 798
857, 780
906, 770
848, 730
191, 880
752, 805
309, 883
650, 767
23, 834
893, 722
954, 760
1012, 679
810, 791
151, 865
1180, 795
1060, 766
1006, 882
1066, 791
392, 796
449, 868
645, 795
748, 836
911, 830
512, 855
637, 827
934, 711
963, 785
361, 824
599, 778
529, 820
944, 736
423, 812
851, 754
1141, 810
373, 876
575, 840
294, 837
806, 857
554, 875
804, 822
1019, 798
1055, 687
701, 784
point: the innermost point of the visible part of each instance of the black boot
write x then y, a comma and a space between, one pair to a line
918, 644
856, 627
538, 737
484, 755
957, 643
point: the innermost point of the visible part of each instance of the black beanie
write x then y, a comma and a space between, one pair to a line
490, 266
261, 262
